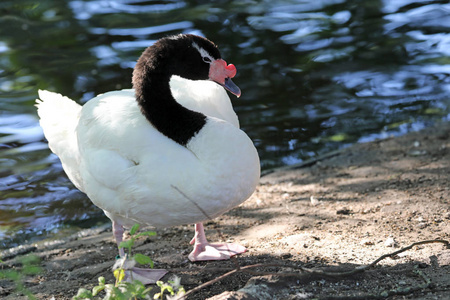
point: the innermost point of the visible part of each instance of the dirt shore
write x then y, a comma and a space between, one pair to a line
336, 213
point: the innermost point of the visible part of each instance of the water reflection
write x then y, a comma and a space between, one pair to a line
315, 76
84, 10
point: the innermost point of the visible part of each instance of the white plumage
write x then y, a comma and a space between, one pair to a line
136, 174
129, 169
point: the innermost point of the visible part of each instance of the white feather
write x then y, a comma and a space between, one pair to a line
136, 174
59, 117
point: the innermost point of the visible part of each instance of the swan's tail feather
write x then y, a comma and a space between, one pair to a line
59, 118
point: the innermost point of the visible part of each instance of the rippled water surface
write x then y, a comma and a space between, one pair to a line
315, 76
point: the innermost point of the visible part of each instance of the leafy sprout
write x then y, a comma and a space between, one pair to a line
30, 267
123, 290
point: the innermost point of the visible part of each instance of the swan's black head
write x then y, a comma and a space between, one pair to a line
186, 55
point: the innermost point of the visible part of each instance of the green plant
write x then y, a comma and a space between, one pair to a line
171, 287
139, 258
123, 290
30, 266
115, 291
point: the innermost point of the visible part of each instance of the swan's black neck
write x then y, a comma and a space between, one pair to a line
151, 79
168, 116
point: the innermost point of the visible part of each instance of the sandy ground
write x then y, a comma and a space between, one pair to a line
337, 213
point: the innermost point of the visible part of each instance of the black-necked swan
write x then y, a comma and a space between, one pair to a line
168, 152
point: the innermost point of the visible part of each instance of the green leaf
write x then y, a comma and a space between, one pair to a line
181, 291
134, 229
97, 289
116, 294
169, 288
30, 260
31, 270
143, 259
146, 233
28, 294
12, 275
341, 137
127, 244
83, 294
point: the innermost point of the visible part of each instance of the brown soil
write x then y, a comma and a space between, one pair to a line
336, 213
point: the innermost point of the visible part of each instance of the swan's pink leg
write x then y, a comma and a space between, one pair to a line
211, 251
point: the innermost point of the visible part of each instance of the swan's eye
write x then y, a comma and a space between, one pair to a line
206, 59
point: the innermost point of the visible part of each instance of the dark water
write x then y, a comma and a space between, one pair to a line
315, 75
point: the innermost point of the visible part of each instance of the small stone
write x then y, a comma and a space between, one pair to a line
343, 211
314, 201
422, 225
366, 242
417, 152
285, 255
422, 265
390, 242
